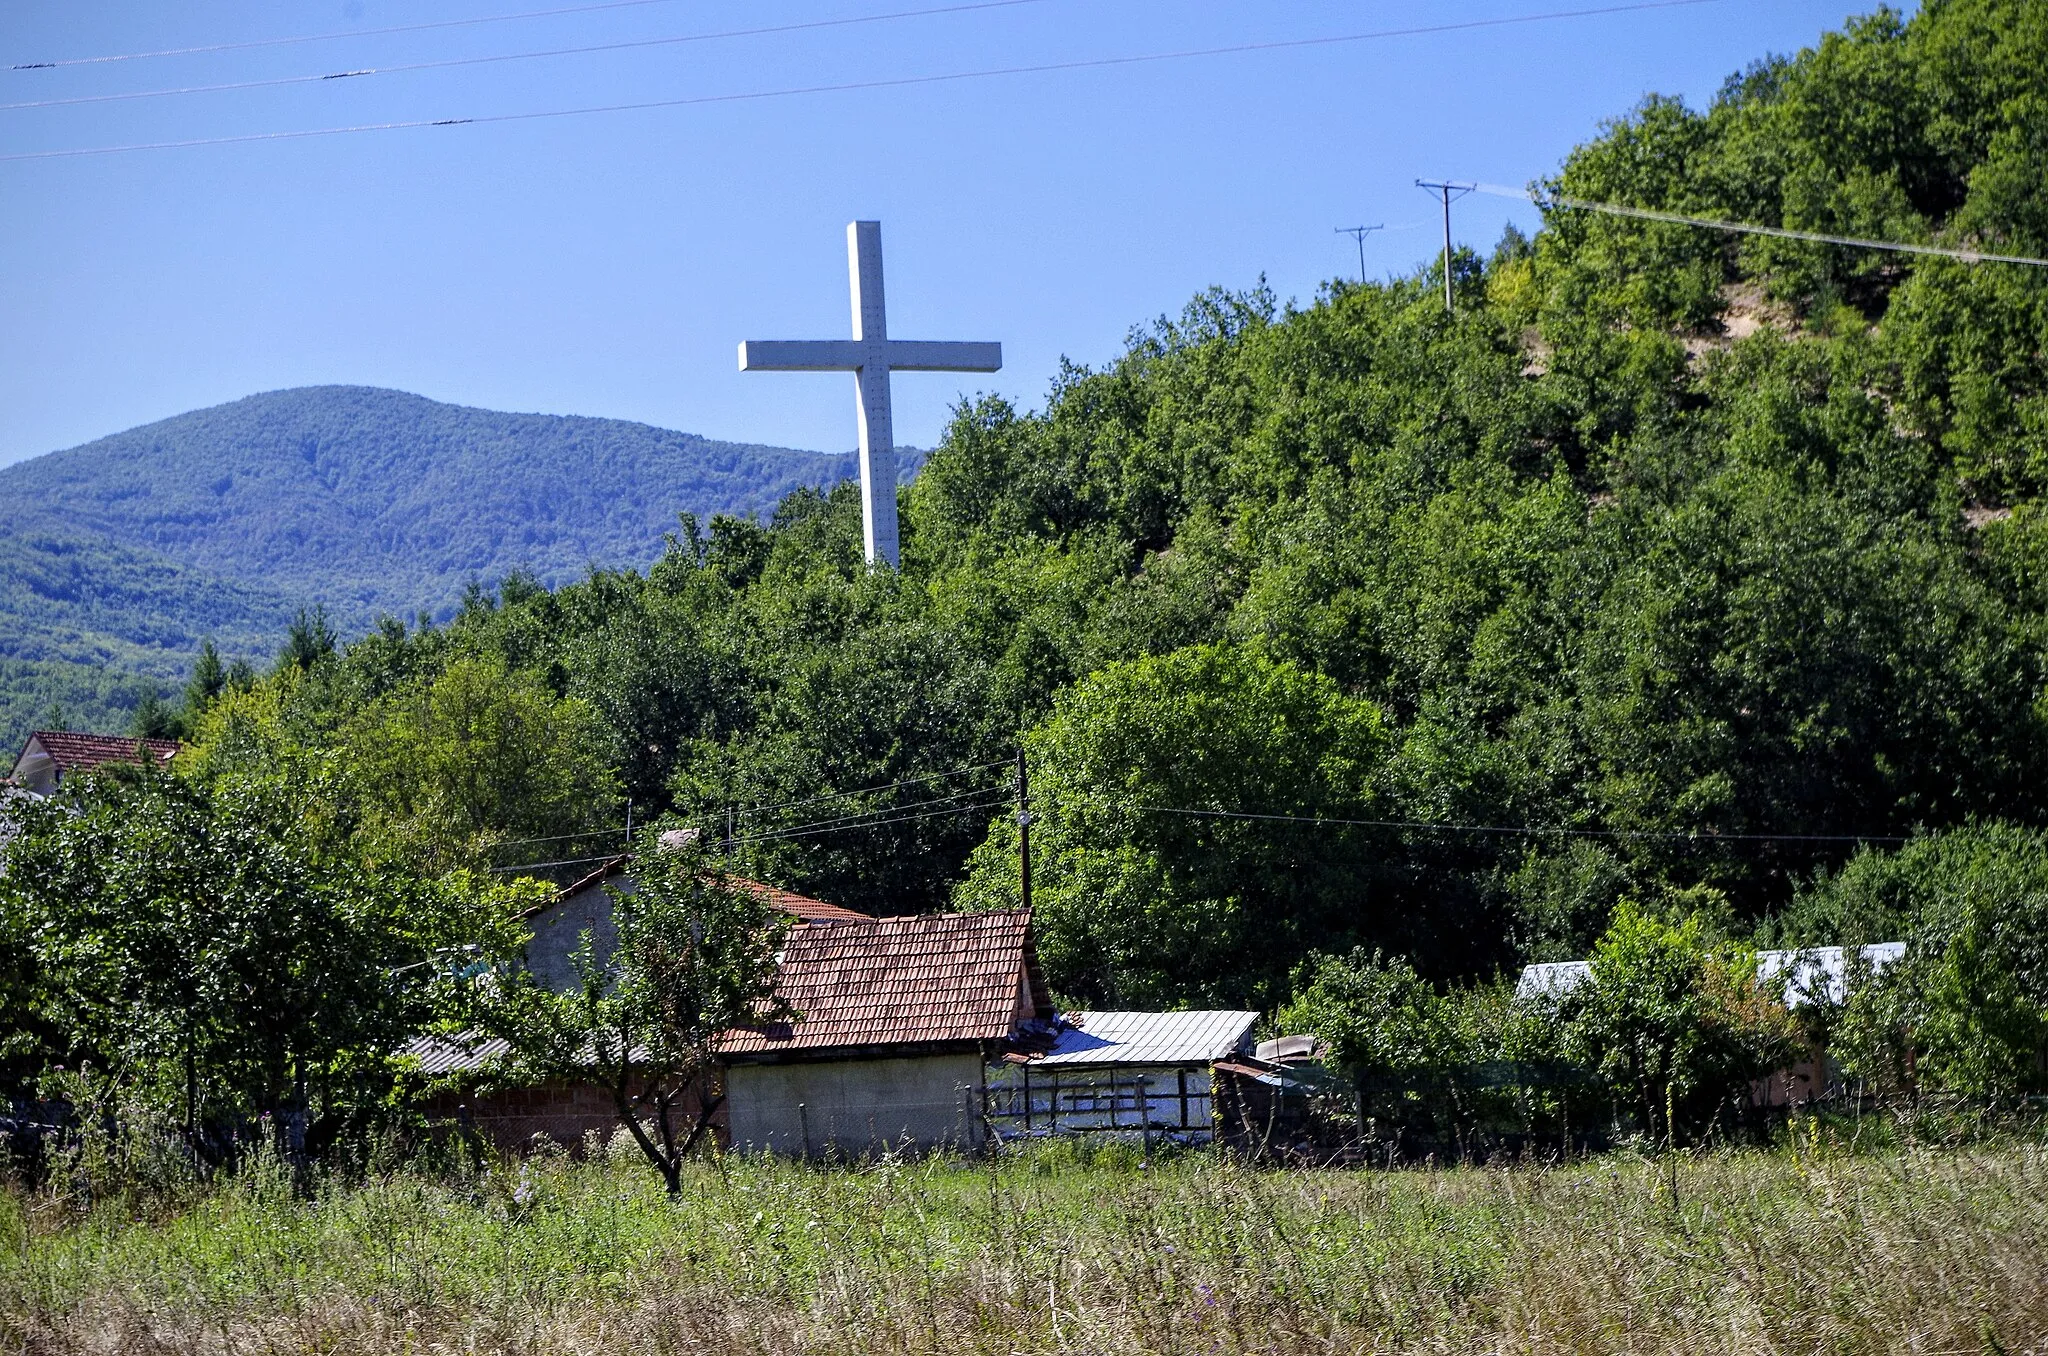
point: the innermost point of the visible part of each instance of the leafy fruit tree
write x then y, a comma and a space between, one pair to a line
1452, 1063
1675, 1024
1374, 1015
204, 953
695, 957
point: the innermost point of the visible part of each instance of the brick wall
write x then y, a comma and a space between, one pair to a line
568, 1114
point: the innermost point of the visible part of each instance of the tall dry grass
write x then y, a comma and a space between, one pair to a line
1056, 1251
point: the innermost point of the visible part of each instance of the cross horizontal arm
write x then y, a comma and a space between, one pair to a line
801, 355
911, 355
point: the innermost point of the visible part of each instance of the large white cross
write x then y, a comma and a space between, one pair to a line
870, 355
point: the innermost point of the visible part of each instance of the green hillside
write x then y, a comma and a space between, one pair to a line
1674, 566
118, 556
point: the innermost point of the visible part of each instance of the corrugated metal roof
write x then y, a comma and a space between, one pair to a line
1150, 1037
1821, 971
1815, 971
440, 1055
1552, 980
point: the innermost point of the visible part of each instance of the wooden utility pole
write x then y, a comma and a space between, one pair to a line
1023, 830
1446, 190
1359, 233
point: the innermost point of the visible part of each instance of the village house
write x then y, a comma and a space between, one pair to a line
898, 1022
50, 756
918, 1032
1808, 975
512, 1116
586, 906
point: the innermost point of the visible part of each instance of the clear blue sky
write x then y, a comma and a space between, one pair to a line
608, 264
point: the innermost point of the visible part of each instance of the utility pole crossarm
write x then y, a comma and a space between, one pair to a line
1447, 189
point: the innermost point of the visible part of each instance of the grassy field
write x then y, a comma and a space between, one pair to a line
1800, 1250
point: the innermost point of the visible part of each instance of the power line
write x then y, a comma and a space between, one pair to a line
857, 818
897, 82
792, 804
1002, 798
1001, 794
516, 56
1748, 228
557, 838
874, 790
332, 37
1428, 826
568, 861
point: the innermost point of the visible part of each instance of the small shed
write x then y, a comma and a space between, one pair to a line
50, 756
1809, 975
1140, 1072
896, 1021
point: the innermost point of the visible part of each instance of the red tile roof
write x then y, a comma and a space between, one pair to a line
800, 907
932, 979
83, 752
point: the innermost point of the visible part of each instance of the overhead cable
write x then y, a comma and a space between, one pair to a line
1690, 835
799, 831
623, 46
617, 830
873, 790
851, 86
856, 819
569, 861
332, 37
1750, 228
809, 800
873, 823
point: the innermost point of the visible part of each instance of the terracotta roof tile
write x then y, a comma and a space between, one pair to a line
83, 752
800, 907
900, 981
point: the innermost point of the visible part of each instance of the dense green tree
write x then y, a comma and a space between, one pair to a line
1675, 1024
1967, 1009
1149, 886
154, 717
199, 949
479, 753
208, 680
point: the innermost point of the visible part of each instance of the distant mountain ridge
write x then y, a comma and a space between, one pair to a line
121, 554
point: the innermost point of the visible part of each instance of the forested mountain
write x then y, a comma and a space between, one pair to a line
119, 556
1672, 566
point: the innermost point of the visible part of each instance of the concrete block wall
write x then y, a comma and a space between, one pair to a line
856, 1107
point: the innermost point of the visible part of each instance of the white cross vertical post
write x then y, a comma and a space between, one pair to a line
871, 355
